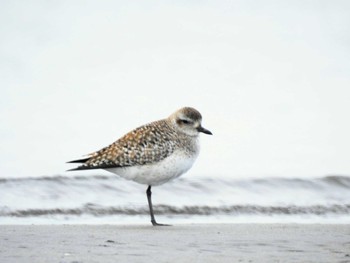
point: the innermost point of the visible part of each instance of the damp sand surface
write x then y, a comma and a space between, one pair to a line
178, 243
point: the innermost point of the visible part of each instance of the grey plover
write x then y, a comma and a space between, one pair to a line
152, 154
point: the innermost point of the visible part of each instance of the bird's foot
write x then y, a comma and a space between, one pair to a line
154, 223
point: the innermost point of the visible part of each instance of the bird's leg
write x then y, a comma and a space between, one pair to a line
149, 198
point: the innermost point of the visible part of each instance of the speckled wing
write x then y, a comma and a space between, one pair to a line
145, 145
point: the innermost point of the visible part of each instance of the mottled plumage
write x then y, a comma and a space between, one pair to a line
144, 145
153, 153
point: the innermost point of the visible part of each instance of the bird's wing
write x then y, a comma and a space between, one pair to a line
144, 145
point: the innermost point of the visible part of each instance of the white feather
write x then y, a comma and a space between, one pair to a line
158, 173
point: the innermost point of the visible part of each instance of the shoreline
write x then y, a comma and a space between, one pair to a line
178, 243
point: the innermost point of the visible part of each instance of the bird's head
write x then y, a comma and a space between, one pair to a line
189, 121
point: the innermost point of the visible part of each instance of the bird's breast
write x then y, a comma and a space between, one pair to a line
179, 162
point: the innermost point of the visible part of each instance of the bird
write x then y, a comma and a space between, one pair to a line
152, 154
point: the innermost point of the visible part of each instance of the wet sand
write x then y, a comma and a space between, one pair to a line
179, 243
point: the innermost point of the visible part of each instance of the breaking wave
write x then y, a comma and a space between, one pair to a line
99, 196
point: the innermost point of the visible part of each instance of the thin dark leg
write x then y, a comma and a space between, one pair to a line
149, 198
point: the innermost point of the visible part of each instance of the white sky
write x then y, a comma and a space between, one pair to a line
271, 79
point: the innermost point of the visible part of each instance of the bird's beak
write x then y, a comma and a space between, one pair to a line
201, 129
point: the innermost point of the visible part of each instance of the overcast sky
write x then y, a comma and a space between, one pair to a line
271, 79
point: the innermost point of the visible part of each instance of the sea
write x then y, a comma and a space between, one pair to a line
100, 199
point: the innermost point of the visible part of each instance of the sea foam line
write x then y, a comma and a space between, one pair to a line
98, 211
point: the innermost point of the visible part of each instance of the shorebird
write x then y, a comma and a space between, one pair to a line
152, 154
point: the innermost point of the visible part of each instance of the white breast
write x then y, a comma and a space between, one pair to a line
158, 173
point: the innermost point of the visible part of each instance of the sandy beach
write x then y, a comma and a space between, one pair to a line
179, 243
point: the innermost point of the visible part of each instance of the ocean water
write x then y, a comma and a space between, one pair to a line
112, 200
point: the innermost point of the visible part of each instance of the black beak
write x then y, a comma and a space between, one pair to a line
201, 129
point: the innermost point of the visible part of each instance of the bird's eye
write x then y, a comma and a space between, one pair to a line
185, 121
